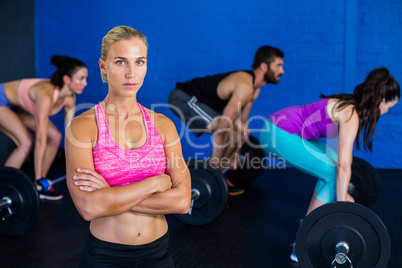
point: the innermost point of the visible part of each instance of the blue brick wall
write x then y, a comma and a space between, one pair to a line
330, 46
379, 38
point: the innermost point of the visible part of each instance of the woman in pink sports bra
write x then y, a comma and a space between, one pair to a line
27, 104
125, 168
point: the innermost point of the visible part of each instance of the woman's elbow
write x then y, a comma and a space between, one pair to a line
88, 213
344, 171
88, 210
344, 167
85, 215
183, 206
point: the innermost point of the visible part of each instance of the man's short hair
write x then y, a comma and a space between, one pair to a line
266, 54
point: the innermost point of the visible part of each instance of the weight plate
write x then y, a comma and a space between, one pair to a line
25, 202
213, 197
365, 183
355, 224
253, 164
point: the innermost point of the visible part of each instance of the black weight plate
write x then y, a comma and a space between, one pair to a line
253, 165
25, 201
366, 183
348, 222
213, 189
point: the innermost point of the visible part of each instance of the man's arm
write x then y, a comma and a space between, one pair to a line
226, 139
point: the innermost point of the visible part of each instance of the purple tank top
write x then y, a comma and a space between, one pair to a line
120, 166
310, 121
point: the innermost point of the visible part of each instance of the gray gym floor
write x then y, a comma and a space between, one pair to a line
255, 230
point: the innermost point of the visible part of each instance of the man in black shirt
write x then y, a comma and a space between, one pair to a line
221, 104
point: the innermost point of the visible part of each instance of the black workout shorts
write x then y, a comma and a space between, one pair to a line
99, 253
195, 114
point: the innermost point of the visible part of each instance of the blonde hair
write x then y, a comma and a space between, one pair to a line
117, 34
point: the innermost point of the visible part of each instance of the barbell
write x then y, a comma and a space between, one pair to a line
343, 234
365, 183
251, 163
209, 193
19, 201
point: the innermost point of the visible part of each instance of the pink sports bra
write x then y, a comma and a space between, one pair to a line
120, 166
26, 102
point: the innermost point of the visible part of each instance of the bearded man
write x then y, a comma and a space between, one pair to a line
220, 105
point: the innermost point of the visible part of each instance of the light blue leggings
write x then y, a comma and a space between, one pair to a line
313, 157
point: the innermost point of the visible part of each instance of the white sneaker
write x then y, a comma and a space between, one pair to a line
293, 256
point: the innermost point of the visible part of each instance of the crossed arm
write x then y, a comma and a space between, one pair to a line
94, 198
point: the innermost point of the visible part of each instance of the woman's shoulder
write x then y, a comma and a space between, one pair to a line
86, 117
341, 112
163, 124
83, 127
158, 118
348, 114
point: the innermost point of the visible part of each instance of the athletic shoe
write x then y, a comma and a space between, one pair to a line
293, 256
50, 194
233, 189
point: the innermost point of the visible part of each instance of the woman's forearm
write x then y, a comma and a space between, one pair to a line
173, 201
342, 182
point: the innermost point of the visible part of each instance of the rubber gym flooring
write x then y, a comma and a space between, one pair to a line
255, 230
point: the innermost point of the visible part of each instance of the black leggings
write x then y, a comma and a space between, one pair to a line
98, 253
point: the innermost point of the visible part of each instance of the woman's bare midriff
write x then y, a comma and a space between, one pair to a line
129, 228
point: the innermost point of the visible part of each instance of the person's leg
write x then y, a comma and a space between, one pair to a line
325, 190
13, 128
311, 157
52, 146
53, 140
197, 116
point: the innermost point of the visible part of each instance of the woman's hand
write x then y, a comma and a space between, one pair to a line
349, 198
89, 180
164, 182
